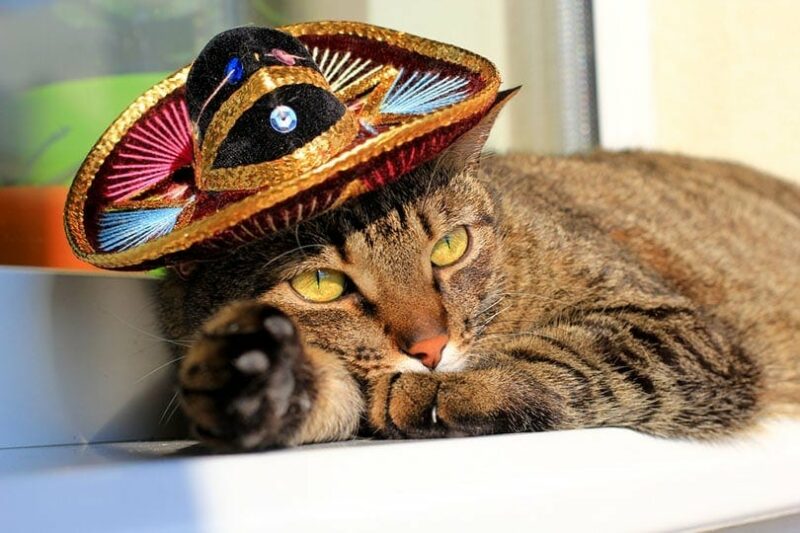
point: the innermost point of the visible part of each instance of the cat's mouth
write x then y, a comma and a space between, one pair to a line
453, 359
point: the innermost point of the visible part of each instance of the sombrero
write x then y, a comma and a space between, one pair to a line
265, 128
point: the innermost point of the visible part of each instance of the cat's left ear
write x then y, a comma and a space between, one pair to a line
465, 152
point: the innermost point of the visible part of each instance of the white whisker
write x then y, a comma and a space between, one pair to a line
176, 342
293, 250
164, 413
159, 367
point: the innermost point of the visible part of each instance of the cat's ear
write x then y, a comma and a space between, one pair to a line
465, 152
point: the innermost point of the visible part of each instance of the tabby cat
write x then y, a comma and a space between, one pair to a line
641, 290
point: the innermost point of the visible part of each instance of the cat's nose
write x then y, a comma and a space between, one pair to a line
429, 350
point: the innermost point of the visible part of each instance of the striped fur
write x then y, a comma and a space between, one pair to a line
638, 290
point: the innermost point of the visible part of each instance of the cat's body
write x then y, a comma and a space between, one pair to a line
639, 290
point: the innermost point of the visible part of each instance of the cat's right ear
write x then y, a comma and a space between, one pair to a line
465, 152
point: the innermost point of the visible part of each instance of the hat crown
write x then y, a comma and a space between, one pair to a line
261, 111
253, 48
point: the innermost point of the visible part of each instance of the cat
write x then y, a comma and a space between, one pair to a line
648, 291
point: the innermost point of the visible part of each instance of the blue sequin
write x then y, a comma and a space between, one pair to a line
283, 119
234, 71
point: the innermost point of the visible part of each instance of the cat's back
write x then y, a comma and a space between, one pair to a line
725, 235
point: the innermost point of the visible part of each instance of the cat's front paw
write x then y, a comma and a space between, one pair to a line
245, 383
457, 404
416, 405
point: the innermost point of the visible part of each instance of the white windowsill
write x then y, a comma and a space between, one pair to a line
599, 480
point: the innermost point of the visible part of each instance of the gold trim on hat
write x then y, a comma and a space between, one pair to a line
108, 141
267, 173
227, 217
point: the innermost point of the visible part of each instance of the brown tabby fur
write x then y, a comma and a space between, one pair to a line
643, 290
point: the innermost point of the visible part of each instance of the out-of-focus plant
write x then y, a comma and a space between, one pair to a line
122, 48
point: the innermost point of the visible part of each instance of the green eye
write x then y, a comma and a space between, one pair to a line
320, 285
450, 248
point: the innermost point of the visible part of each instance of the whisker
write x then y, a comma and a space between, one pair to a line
159, 367
496, 303
169, 405
293, 250
488, 320
174, 410
535, 296
176, 342
528, 333
310, 235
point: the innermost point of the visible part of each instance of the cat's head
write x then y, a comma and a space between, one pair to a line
400, 279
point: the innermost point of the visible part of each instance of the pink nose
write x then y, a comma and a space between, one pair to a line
428, 351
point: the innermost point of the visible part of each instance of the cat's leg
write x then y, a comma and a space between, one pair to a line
662, 370
249, 382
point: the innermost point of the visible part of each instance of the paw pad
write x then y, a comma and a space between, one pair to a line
252, 362
279, 327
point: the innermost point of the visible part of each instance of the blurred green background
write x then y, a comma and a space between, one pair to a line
71, 66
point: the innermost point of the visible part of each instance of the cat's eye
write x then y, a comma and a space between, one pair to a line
319, 285
450, 248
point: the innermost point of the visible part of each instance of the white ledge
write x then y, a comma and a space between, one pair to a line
598, 480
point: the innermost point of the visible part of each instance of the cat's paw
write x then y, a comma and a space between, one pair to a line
416, 405
457, 404
245, 383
